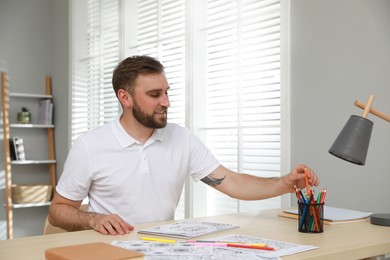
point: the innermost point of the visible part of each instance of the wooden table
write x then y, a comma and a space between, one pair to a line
356, 240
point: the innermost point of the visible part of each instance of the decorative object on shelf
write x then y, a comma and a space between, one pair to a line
17, 149
24, 116
31, 193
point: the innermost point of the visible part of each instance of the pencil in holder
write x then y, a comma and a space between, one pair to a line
310, 217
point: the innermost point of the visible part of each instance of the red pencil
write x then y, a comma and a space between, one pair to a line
323, 195
251, 247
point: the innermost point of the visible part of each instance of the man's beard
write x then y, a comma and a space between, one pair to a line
147, 120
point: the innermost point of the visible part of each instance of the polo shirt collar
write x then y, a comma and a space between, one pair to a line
126, 140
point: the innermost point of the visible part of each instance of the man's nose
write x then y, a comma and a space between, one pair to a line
165, 101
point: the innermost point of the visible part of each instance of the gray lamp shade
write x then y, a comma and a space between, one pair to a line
352, 142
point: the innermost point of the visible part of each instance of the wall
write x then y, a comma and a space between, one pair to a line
34, 43
340, 52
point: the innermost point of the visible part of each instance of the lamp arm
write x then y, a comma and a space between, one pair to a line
373, 111
368, 106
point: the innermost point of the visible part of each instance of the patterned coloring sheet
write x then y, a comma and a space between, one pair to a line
188, 251
187, 229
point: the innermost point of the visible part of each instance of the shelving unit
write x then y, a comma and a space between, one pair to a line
10, 164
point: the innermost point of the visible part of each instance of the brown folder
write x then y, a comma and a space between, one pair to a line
96, 251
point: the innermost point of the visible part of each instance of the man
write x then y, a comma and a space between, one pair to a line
133, 169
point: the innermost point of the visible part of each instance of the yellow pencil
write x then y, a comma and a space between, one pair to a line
158, 239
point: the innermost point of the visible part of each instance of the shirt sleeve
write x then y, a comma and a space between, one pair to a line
75, 179
203, 161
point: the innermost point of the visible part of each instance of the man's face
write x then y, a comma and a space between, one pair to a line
150, 100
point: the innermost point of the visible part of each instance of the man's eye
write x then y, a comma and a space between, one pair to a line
154, 94
157, 94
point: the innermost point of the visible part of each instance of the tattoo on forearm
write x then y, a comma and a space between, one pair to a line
212, 181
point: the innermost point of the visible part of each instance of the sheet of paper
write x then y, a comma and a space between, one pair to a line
189, 251
283, 248
338, 214
164, 249
187, 229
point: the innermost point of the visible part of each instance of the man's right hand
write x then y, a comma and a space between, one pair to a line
66, 214
109, 224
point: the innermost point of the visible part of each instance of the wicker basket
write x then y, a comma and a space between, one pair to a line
31, 193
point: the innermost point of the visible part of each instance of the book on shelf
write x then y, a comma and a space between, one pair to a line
16, 147
45, 112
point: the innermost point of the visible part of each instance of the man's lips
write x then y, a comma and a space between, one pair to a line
162, 111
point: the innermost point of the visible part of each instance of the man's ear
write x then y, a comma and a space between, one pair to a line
125, 98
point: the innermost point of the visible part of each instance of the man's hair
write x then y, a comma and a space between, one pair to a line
130, 68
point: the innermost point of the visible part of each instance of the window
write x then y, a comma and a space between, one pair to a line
241, 122
222, 60
96, 32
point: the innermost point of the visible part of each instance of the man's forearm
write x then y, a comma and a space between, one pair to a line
250, 187
69, 218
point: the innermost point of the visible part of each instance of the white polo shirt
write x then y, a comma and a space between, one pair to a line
140, 183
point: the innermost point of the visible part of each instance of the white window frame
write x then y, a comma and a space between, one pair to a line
285, 96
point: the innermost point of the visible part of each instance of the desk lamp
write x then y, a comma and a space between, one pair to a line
353, 141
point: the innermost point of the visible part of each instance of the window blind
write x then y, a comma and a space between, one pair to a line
96, 33
242, 119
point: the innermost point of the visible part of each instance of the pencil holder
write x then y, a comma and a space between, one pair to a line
310, 217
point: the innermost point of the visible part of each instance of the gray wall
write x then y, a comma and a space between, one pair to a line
34, 43
340, 52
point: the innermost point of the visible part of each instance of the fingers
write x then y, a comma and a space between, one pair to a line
111, 224
313, 178
311, 175
300, 168
303, 171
